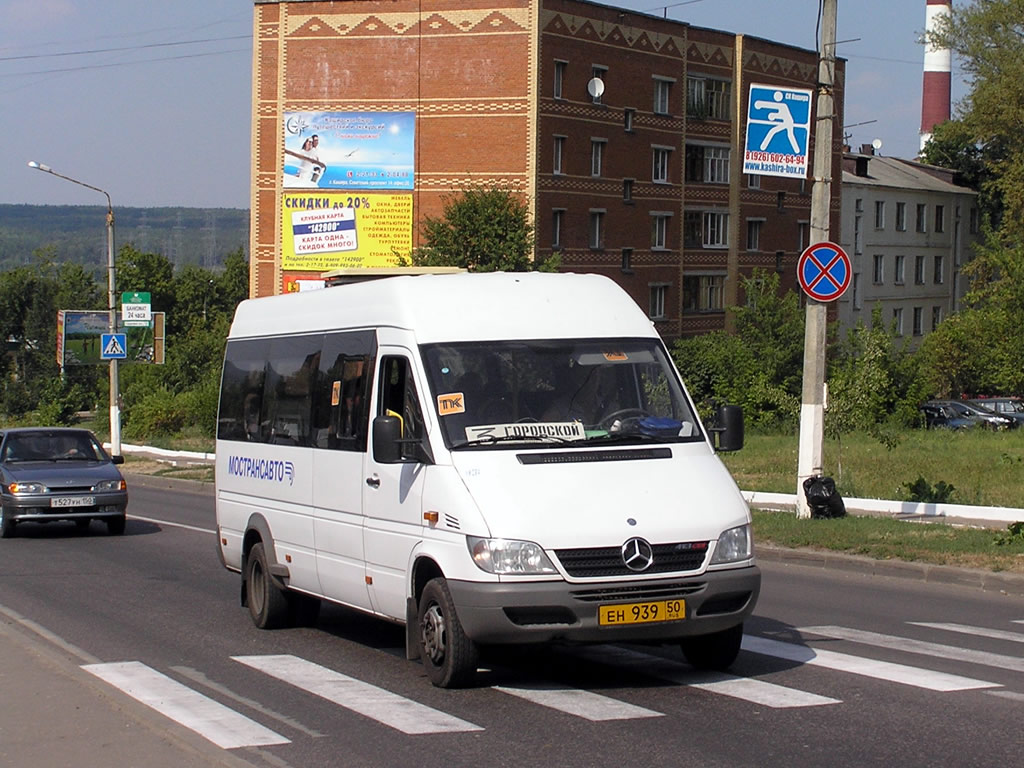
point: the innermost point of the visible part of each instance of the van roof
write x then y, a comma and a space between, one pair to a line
472, 306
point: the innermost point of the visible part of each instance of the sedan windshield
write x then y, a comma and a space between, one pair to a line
547, 392
54, 445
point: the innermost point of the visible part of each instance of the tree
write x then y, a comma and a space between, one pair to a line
482, 230
151, 273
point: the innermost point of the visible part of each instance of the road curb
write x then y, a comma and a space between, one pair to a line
989, 581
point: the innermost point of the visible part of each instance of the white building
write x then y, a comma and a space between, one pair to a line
908, 230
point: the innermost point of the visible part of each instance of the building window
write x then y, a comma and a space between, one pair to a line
709, 164
901, 217
703, 293
922, 217
940, 218
596, 156
707, 98
627, 190
662, 93
754, 234
597, 72
899, 271
936, 317
753, 181
659, 172
974, 221
856, 290
659, 229
780, 257
858, 235
627, 119
858, 205
919, 270
659, 291
803, 239
627, 260
705, 229
879, 214
939, 265
559, 151
918, 320
878, 275
597, 229
557, 219
897, 321
780, 202
560, 67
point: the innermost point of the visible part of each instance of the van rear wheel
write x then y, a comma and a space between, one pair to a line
268, 603
448, 655
716, 651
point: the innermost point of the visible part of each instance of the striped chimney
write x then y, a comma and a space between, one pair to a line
935, 96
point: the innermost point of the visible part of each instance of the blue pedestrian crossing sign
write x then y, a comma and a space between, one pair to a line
778, 131
824, 271
113, 346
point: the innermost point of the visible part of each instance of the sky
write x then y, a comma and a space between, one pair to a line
151, 102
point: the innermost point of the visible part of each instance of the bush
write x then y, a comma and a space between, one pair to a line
158, 413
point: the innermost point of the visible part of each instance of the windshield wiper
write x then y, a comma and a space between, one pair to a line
627, 437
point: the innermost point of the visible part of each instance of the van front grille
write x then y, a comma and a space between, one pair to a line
672, 590
600, 562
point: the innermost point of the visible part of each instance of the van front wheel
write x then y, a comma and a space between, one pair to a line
268, 604
449, 656
716, 651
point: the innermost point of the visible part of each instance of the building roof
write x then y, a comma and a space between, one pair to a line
899, 174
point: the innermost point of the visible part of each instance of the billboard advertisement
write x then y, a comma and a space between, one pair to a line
778, 131
80, 332
349, 150
331, 230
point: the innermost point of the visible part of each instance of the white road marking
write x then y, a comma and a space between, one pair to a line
210, 719
996, 634
1011, 695
581, 703
748, 689
895, 643
881, 670
171, 524
385, 707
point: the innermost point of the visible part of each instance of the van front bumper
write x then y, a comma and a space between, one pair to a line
541, 612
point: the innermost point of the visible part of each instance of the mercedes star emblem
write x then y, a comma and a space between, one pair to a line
637, 554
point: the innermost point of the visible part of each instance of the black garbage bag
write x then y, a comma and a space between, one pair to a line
823, 498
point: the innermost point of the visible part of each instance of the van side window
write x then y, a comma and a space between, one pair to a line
341, 399
241, 394
398, 396
288, 390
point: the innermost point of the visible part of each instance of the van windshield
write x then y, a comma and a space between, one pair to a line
547, 392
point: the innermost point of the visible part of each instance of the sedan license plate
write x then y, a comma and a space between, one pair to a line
72, 501
641, 613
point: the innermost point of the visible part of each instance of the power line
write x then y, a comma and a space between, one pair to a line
126, 63
123, 48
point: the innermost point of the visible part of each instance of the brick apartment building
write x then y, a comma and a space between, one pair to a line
623, 131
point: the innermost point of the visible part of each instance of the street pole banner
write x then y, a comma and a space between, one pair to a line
80, 339
778, 131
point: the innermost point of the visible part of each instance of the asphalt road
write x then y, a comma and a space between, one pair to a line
840, 668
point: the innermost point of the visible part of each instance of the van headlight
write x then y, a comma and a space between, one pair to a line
507, 557
734, 545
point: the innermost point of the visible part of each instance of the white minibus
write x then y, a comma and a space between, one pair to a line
487, 459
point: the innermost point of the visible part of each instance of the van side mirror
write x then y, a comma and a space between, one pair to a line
728, 428
389, 447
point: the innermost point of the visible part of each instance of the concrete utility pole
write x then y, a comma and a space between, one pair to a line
812, 407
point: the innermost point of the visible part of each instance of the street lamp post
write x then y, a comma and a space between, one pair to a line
115, 407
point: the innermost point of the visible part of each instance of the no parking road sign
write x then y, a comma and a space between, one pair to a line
824, 271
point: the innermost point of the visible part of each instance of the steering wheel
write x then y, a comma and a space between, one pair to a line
608, 420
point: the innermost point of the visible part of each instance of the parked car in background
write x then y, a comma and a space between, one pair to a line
942, 416
59, 473
989, 418
1012, 407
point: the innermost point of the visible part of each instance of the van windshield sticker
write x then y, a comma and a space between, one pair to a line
615, 357
566, 430
453, 402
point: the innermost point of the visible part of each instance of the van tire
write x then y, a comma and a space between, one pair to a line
448, 655
268, 603
716, 651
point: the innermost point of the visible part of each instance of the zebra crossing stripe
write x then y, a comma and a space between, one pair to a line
210, 719
745, 688
881, 670
385, 707
938, 650
574, 701
995, 634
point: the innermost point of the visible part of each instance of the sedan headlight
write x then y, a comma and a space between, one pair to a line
109, 485
734, 545
506, 557
27, 488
